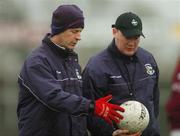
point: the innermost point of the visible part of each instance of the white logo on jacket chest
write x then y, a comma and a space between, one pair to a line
149, 69
58, 72
78, 74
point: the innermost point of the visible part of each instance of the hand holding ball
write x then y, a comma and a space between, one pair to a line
136, 117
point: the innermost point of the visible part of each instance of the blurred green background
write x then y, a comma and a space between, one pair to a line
23, 23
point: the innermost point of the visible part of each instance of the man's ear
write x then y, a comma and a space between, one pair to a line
114, 31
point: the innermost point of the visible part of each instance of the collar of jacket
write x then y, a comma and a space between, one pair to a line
63, 52
112, 48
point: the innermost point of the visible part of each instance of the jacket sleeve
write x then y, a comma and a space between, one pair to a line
94, 87
156, 96
156, 93
38, 79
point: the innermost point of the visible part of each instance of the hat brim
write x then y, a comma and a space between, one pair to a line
132, 33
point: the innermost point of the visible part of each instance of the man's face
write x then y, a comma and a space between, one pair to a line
127, 46
69, 38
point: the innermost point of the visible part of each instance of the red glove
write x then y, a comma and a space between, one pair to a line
108, 111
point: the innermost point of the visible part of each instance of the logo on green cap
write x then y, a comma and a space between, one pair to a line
134, 22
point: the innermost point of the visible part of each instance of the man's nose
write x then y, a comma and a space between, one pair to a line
78, 36
132, 41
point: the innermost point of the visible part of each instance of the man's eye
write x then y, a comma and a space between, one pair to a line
74, 32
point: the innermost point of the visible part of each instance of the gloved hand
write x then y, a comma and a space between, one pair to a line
108, 111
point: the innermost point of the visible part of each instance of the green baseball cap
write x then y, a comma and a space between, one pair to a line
129, 24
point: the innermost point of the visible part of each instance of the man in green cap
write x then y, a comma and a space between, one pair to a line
126, 71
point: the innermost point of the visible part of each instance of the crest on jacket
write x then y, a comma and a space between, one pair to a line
149, 69
78, 74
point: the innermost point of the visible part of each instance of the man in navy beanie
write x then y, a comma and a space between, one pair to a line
50, 98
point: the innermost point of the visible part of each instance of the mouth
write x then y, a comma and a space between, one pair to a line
130, 49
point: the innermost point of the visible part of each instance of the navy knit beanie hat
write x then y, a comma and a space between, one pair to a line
65, 17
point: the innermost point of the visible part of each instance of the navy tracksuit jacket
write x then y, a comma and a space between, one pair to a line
50, 98
126, 78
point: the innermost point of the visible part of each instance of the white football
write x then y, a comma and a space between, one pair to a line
136, 117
